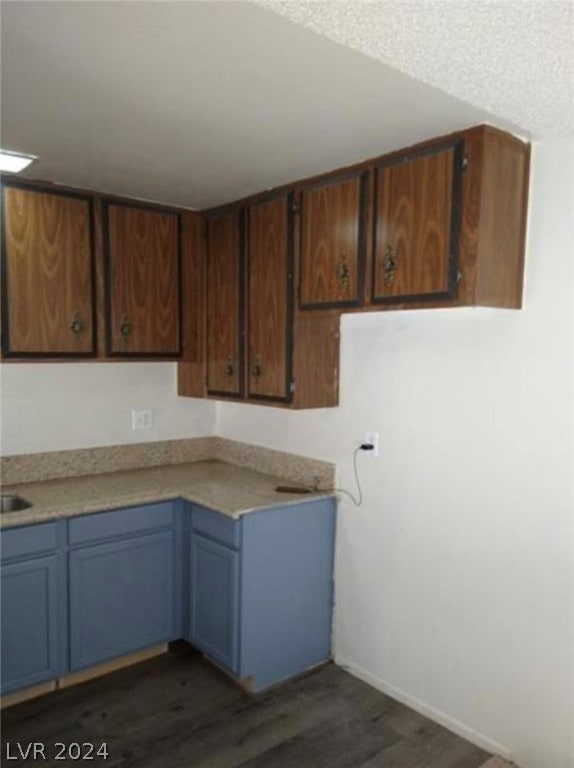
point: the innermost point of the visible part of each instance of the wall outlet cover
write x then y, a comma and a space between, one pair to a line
373, 438
142, 419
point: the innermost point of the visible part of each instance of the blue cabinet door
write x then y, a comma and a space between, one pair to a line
30, 618
214, 600
121, 597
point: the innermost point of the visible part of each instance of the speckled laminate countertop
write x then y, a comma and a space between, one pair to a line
225, 488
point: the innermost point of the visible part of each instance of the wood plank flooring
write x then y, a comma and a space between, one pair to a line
178, 711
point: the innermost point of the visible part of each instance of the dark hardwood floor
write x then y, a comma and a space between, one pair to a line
178, 711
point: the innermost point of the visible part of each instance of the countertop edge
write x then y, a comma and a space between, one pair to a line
49, 514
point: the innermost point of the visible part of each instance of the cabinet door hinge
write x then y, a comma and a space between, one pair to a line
464, 161
458, 276
292, 387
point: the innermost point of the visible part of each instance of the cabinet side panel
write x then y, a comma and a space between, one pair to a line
502, 230
193, 287
191, 379
316, 361
192, 371
286, 591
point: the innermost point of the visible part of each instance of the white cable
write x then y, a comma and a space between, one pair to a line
357, 502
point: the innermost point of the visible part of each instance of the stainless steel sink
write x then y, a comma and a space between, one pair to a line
13, 503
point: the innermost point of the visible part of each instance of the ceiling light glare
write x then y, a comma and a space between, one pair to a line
14, 162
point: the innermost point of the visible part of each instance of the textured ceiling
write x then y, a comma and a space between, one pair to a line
201, 103
514, 58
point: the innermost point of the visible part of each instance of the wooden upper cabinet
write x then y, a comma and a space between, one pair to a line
493, 229
270, 298
416, 225
224, 256
331, 264
48, 280
142, 259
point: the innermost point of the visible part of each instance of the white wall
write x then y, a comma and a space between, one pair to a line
454, 581
55, 406
455, 584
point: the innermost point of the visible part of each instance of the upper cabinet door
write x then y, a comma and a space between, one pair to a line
142, 250
224, 248
331, 269
270, 299
417, 219
48, 280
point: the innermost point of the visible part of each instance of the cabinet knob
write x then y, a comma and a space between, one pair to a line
343, 272
389, 265
125, 329
77, 325
256, 370
229, 369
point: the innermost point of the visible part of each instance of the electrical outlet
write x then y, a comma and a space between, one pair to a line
373, 439
142, 419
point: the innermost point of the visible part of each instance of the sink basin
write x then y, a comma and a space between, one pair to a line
13, 503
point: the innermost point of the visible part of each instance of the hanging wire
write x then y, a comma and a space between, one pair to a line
359, 501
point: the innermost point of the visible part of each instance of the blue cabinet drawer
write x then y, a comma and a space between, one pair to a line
123, 522
31, 540
216, 526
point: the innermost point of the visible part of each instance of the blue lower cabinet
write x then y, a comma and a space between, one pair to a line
30, 622
261, 589
121, 597
214, 600
256, 598
286, 591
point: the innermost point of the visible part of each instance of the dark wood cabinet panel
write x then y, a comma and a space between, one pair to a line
316, 360
270, 290
416, 226
47, 274
503, 214
193, 286
331, 270
142, 259
191, 372
225, 279
214, 289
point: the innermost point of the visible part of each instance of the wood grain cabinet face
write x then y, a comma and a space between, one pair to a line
47, 274
270, 299
416, 226
332, 243
224, 253
142, 256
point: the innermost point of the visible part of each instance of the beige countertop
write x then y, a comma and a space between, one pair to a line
225, 488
